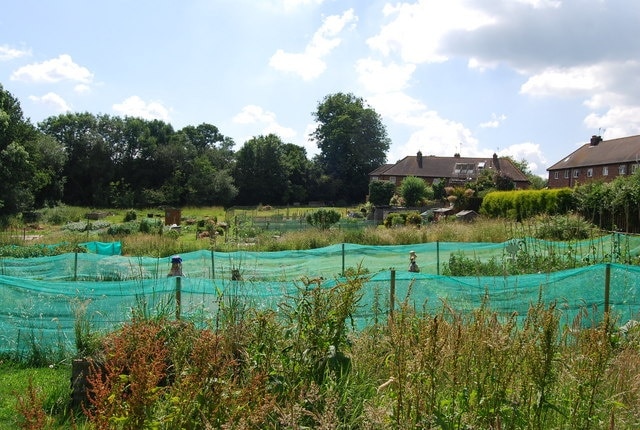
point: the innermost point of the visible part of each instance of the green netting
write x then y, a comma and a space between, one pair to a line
327, 262
39, 296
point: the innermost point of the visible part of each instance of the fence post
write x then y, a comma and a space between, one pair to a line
607, 287
213, 266
392, 294
75, 266
343, 259
438, 257
178, 296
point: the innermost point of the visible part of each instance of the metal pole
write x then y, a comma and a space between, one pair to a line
178, 296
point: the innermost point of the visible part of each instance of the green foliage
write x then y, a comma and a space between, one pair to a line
352, 142
130, 215
414, 219
323, 218
395, 219
414, 190
563, 227
523, 204
380, 192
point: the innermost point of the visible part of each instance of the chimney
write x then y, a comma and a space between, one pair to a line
496, 162
456, 155
595, 140
419, 158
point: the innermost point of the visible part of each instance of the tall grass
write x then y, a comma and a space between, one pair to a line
306, 366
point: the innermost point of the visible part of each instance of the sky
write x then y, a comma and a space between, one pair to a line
531, 79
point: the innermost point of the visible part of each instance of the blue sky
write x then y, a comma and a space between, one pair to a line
532, 79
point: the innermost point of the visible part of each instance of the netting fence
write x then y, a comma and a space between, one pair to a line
40, 297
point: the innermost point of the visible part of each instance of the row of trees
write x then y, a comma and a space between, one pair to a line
109, 161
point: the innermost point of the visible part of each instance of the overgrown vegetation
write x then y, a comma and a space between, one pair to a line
307, 367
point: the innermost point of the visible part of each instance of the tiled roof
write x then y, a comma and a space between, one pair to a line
613, 151
443, 167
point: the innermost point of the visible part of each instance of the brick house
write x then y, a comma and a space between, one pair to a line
456, 170
597, 160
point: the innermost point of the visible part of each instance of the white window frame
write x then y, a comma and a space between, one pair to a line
622, 169
605, 171
556, 175
576, 173
590, 172
566, 174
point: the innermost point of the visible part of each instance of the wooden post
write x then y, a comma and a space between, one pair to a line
343, 259
75, 267
607, 287
213, 265
438, 257
178, 296
392, 294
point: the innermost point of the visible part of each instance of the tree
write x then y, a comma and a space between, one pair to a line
352, 142
30, 163
413, 190
89, 169
380, 192
259, 172
537, 183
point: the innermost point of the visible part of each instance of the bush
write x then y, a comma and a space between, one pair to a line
323, 218
130, 216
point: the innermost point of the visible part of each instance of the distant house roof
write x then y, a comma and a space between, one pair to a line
602, 152
453, 168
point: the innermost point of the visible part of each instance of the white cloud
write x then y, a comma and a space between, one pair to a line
495, 121
416, 29
542, 4
564, 81
55, 70
310, 64
7, 53
379, 78
619, 121
531, 152
53, 100
136, 107
267, 122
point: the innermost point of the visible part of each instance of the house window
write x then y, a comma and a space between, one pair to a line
556, 175
605, 171
576, 173
634, 167
589, 172
374, 178
392, 179
622, 169
566, 174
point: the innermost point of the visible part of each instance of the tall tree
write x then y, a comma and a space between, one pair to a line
259, 171
30, 163
352, 142
89, 169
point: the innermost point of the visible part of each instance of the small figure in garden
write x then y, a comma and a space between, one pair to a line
176, 266
413, 266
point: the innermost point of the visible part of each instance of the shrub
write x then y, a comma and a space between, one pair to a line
130, 216
323, 218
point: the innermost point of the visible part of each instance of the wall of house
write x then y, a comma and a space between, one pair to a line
584, 176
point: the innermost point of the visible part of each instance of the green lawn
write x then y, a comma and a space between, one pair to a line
52, 385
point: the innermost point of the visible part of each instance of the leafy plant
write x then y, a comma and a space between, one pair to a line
323, 218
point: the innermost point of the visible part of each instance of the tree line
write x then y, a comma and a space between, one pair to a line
99, 160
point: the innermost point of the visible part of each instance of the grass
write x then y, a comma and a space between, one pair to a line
50, 384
